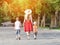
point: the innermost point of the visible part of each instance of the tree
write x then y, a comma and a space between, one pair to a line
38, 10
55, 4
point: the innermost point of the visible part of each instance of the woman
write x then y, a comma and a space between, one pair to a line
28, 22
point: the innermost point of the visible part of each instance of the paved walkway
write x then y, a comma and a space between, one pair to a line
45, 37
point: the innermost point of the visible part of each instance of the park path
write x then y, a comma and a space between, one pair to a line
45, 37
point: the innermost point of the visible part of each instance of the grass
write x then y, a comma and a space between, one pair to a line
51, 28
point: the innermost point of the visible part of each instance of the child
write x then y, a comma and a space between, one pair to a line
17, 28
35, 30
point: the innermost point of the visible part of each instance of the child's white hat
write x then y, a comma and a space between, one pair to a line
34, 22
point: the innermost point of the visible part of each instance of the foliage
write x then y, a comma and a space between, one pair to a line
13, 8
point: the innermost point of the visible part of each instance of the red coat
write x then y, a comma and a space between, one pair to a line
28, 26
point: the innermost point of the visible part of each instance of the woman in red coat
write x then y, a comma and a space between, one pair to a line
28, 23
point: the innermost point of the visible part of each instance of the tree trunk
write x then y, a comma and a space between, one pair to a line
38, 20
59, 21
56, 16
54, 20
43, 21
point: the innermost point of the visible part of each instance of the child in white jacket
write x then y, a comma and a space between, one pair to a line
17, 28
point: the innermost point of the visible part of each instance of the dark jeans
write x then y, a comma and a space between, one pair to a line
17, 31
